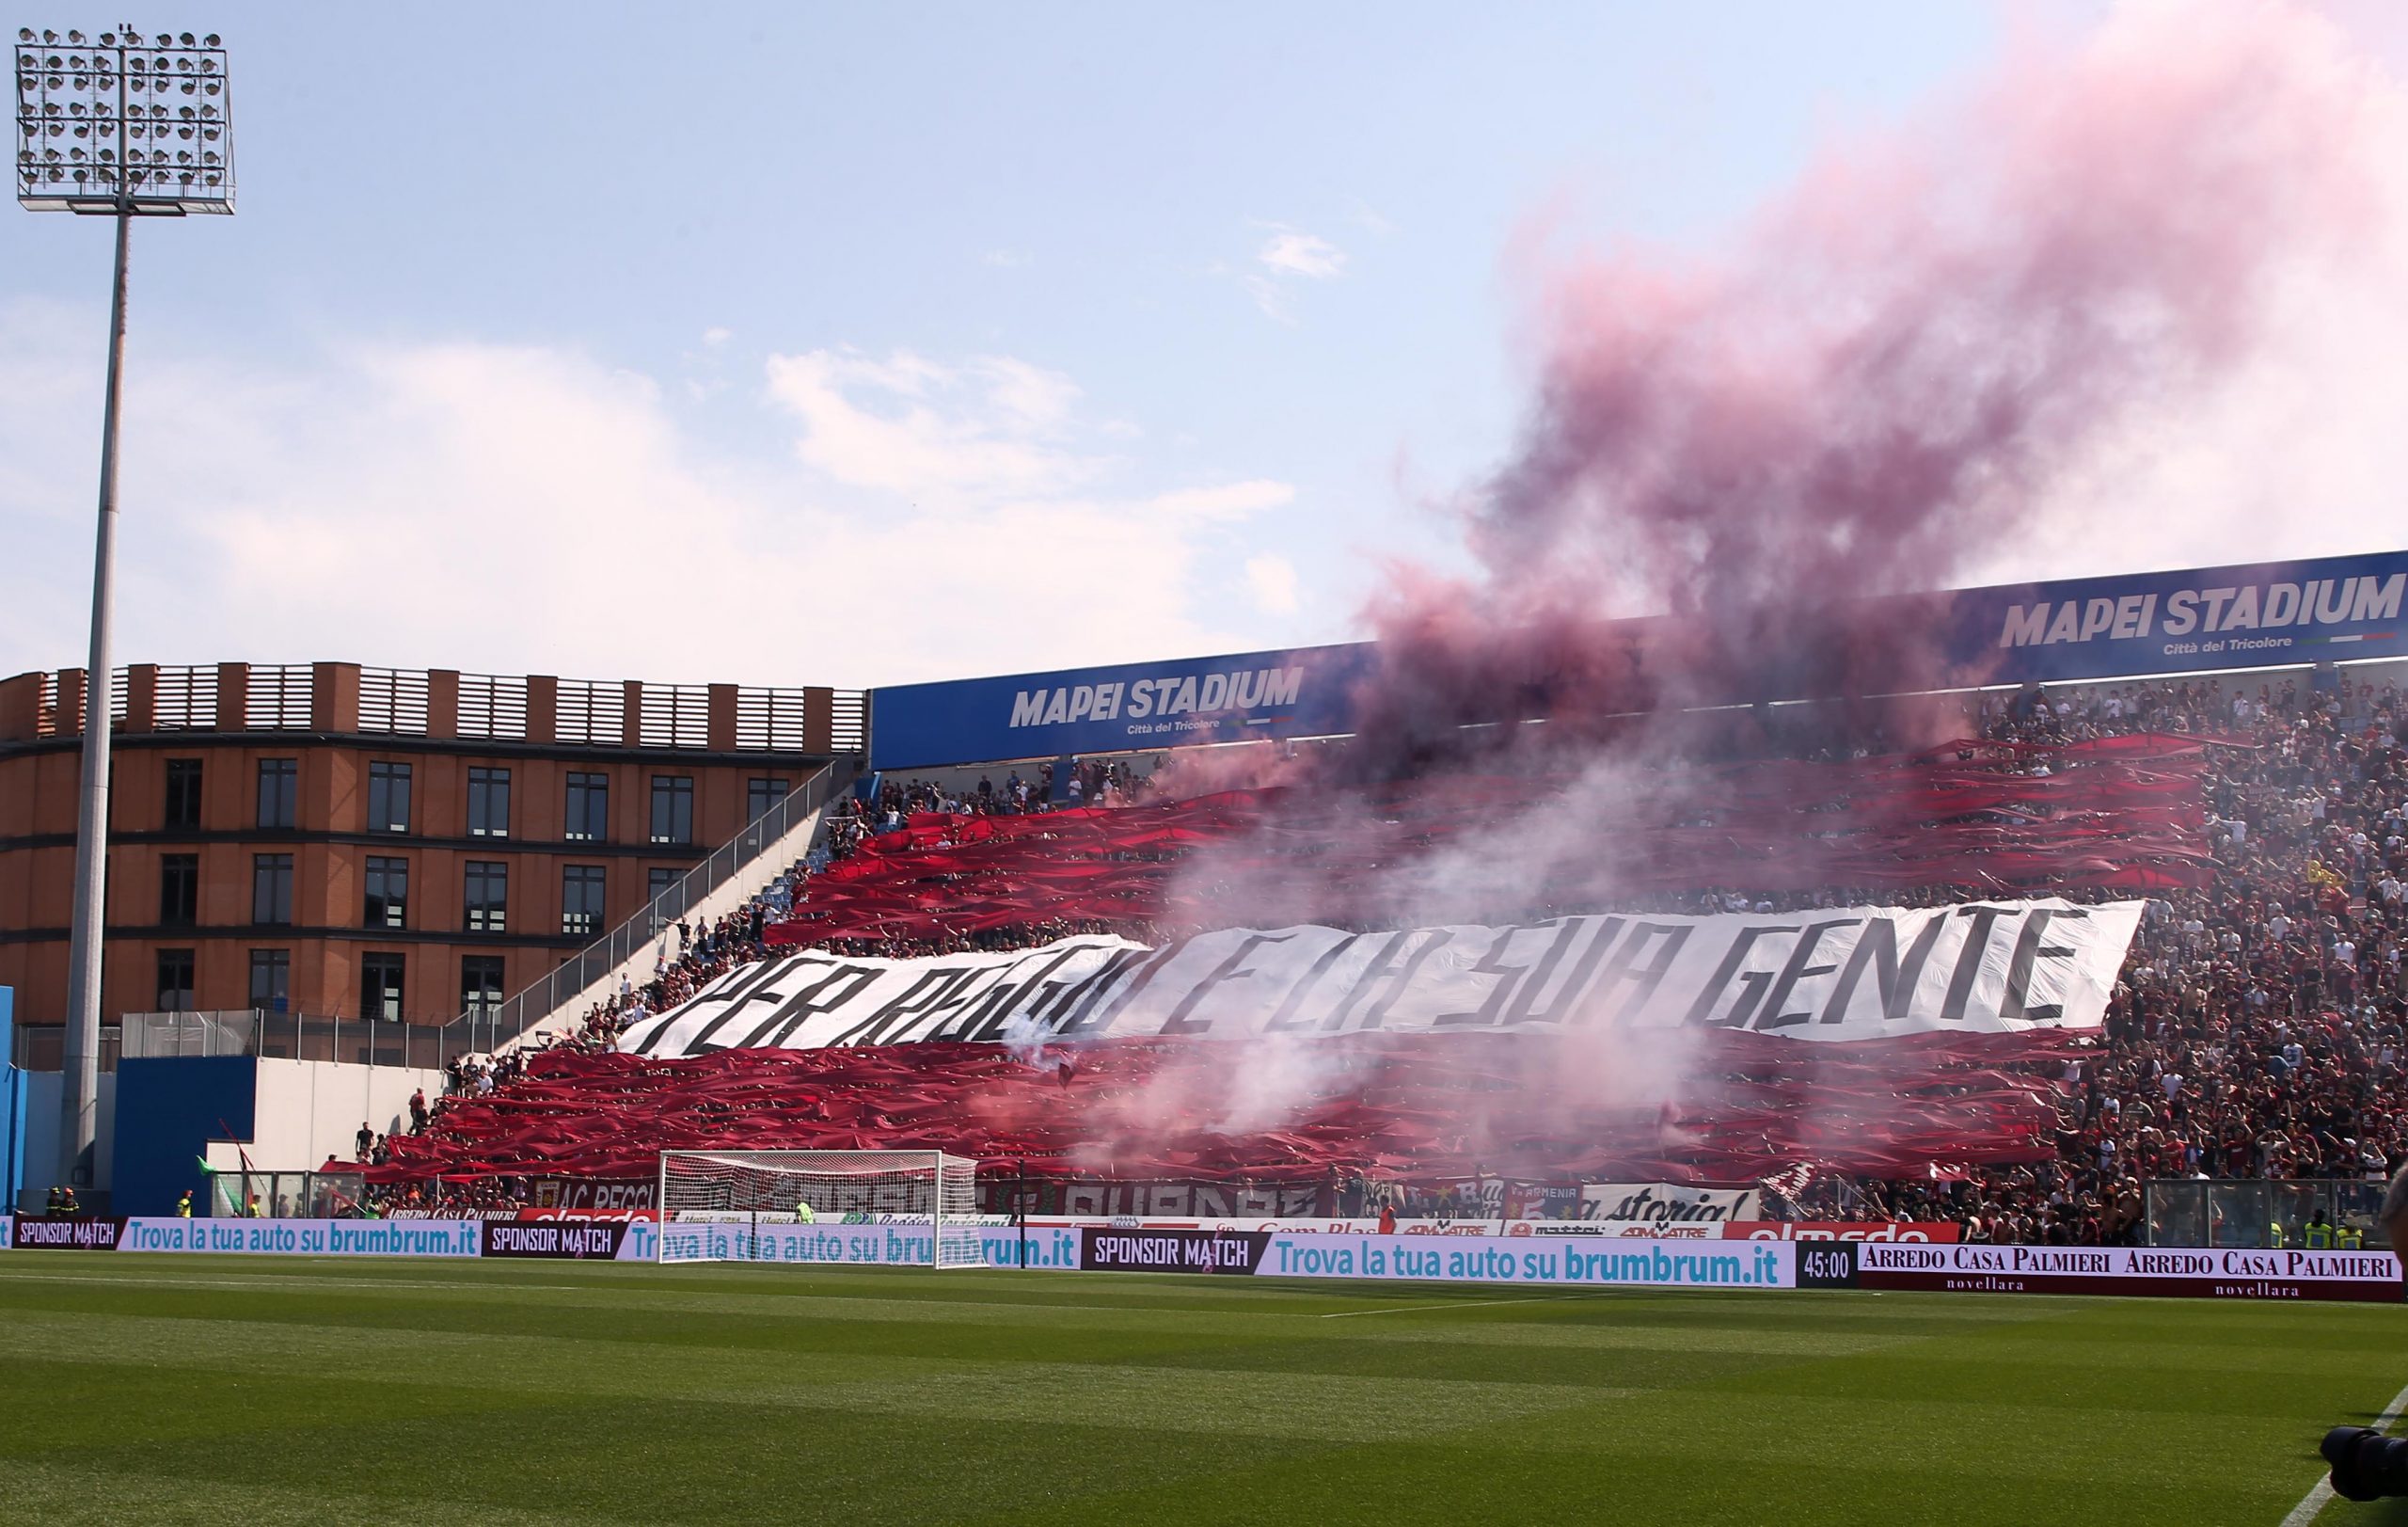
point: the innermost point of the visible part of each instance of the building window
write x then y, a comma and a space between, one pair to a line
389, 893
589, 808
184, 794
761, 796
673, 808
175, 980
480, 984
179, 889
388, 797
488, 802
271, 973
582, 899
380, 988
279, 789
271, 887
659, 879
487, 895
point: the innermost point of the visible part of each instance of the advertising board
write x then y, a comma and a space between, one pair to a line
2172, 1272
2129, 625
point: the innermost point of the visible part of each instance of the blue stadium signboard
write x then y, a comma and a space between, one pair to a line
1129, 707
2203, 619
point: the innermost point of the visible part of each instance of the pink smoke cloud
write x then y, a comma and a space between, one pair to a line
1867, 391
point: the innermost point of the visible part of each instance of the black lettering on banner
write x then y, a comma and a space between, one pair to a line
1230, 970
742, 986
933, 1021
810, 1002
1432, 940
1284, 1016
1145, 968
1486, 965
1642, 982
984, 1022
1793, 970
2028, 949
1969, 959
930, 990
1604, 930
1368, 974
1895, 980
1751, 985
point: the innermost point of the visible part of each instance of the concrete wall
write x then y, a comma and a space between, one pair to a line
42, 1168
309, 1110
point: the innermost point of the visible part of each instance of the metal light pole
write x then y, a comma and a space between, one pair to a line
122, 127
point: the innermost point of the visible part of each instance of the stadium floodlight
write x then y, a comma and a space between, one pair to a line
120, 128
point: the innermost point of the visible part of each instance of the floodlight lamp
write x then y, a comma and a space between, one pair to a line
76, 37
164, 40
108, 39
49, 35
24, 34
185, 39
210, 42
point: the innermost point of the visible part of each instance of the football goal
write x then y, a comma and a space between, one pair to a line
921, 1207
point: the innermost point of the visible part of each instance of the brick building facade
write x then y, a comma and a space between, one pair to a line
353, 842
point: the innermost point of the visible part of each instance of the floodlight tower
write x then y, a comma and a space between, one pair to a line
123, 126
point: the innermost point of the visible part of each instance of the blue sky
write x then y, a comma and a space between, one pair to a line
852, 344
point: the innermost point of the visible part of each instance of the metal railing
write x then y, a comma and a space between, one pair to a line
284, 1036
44, 1047
480, 1032
245, 1031
392, 701
2239, 1211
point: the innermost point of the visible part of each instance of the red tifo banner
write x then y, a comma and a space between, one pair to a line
1742, 1107
2121, 814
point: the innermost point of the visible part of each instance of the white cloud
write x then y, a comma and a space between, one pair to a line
989, 427
1367, 218
1272, 580
522, 509
717, 334
1229, 501
1006, 259
1289, 256
1294, 253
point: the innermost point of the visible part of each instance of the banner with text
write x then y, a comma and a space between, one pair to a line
2180, 1272
1846, 974
2126, 625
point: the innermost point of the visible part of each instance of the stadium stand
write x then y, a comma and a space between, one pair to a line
2256, 1031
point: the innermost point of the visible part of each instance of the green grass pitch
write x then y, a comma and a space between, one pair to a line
209, 1390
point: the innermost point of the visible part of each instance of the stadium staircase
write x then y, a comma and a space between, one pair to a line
735, 872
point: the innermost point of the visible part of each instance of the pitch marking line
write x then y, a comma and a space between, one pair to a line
2322, 1496
1459, 1304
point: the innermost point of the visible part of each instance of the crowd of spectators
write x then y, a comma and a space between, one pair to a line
2258, 1031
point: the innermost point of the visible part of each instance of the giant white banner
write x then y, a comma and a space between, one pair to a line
1831, 974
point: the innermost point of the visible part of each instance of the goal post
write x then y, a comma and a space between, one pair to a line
771, 1206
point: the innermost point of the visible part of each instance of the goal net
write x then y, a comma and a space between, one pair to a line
815, 1205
